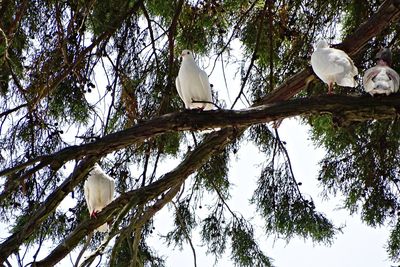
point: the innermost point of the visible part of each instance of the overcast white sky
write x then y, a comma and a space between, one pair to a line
359, 245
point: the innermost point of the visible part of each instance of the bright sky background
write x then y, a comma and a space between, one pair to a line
359, 245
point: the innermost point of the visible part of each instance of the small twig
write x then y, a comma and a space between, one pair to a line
222, 199
288, 162
271, 46
8, 263
194, 138
181, 222
224, 75
85, 246
146, 164
153, 175
5, 113
6, 42
254, 57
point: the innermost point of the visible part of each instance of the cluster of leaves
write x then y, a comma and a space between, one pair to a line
362, 160
278, 197
363, 166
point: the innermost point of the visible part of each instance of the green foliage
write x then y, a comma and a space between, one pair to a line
213, 175
68, 103
184, 222
262, 137
146, 257
245, 251
393, 247
214, 233
286, 211
364, 167
105, 14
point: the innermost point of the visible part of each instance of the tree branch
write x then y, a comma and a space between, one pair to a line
170, 181
15, 240
254, 56
359, 108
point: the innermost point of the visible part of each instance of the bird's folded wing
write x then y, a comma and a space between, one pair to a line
111, 190
87, 195
178, 87
395, 78
205, 84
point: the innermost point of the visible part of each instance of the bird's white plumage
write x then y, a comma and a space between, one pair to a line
382, 79
192, 84
333, 65
99, 192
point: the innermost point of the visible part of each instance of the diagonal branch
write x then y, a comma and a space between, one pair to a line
294, 84
170, 181
254, 56
354, 108
12, 243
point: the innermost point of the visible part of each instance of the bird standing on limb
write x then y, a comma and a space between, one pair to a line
382, 79
333, 66
99, 192
192, 84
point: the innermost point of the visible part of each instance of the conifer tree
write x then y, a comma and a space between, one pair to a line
94, 81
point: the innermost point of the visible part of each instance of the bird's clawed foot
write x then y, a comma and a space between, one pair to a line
94, 214
330, 89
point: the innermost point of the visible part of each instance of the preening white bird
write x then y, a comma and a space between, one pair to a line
382, 79
99, 192
333, 66
192, 84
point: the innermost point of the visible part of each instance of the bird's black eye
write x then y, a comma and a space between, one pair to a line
188, 53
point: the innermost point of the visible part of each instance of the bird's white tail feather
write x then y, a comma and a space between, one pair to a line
103, 228
346, 81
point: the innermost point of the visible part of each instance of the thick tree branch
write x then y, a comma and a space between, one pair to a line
297, 82
352, 108
388, 13
170, 181
12, 243
361, 108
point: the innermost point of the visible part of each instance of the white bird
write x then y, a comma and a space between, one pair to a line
192, 84
333, 66
382, 79
99, 192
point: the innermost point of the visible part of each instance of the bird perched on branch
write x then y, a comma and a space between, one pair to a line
333, 66
192, 84
99, 192
382, 79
